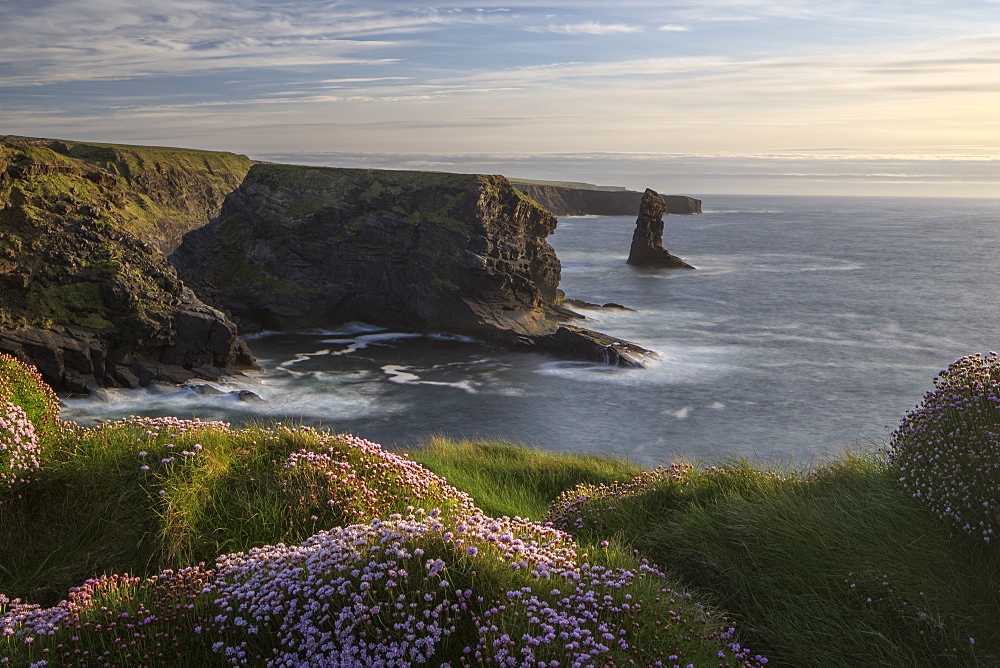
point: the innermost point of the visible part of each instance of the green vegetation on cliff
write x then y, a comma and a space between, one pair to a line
75, 219
155, 193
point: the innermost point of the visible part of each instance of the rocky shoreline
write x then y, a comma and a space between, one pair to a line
87, 295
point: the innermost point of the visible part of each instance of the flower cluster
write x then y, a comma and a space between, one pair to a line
21, 384
389, 592
948, 448
117, 620
415, 589
19, 448
588, 617
346, 478
171, 427
582, 506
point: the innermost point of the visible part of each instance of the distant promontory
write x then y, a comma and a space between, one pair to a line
585, 199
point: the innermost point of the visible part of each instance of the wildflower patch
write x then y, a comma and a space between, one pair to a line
948, 448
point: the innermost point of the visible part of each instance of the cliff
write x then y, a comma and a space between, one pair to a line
87, 294
308, 247
85, 291
582, 199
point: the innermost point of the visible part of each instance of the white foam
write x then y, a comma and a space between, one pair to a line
681, 413
398, 374
301, 357
361, 342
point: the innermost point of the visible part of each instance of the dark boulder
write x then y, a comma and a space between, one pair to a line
580, 343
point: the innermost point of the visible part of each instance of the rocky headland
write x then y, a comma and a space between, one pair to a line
647, 240
86, 293
584, 199
311, 247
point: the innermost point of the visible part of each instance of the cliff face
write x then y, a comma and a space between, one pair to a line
87, 294
564, 200
299, 247
84, 291
307, 247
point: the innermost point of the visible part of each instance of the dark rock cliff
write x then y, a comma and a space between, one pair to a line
85, 292
647, 240
309, 247
586, 200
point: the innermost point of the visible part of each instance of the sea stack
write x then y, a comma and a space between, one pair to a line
647, 240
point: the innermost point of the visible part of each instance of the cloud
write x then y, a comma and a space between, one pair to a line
76, 40
673, 28
588, 28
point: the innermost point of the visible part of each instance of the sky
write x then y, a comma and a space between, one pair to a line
840, 97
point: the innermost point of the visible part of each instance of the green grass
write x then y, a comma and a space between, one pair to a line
512, 479
93, 511
831, 566
117, 504
780, 550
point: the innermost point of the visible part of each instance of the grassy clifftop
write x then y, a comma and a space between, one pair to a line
155, 193
84, 226
338, 552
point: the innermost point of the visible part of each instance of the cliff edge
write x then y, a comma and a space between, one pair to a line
584, 199
85, 291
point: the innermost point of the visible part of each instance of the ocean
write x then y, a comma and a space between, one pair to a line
812, 324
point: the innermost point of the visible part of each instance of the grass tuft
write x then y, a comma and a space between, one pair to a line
512, 479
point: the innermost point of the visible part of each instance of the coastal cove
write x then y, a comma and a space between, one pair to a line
810, 324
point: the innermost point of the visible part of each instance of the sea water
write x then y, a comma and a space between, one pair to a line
810, 325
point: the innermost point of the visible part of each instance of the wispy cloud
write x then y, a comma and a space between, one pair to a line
588, 28
738, 79
76, 40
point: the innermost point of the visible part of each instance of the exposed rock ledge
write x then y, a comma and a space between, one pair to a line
307, 247
194, 341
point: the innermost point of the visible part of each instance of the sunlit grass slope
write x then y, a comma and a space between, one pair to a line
178, 542
164, 541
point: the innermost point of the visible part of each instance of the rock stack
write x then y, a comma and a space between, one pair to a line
647, 240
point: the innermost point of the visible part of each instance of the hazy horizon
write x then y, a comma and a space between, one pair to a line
781, 97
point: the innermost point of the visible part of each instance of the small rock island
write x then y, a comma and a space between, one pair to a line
647, 240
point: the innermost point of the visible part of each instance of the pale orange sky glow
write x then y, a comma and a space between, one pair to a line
730, 96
